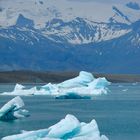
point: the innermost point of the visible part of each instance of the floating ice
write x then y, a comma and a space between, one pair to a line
18, 87
13, 110
68, 128
82, 80
20, 90
82, 86
99, 83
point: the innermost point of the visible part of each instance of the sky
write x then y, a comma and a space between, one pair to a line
105, 1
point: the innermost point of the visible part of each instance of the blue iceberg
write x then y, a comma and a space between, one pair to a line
82, 86
13, 110
69, 128
82, 80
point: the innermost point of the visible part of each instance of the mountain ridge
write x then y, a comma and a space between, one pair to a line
79, 43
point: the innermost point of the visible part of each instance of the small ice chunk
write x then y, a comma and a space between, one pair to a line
13, 110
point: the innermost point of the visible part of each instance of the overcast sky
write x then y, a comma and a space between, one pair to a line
104, 1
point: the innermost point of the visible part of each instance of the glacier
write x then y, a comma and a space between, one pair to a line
85, 85
13, 110
69, 128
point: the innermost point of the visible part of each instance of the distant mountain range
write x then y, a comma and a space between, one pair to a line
47, 35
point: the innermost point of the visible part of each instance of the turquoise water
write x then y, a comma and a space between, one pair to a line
117, 114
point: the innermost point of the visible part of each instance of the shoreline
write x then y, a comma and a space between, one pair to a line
55, 77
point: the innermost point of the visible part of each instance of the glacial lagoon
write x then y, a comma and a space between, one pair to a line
117, 113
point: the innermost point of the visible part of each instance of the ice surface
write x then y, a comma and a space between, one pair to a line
20, 90
82, 80
82, 86
13, 110
68, 128
98, 83
19, 87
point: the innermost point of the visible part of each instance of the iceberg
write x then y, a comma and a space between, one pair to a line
21, 91
99, 83
82, 86
13, 110
18, 87
69, 128
96, 87
82, 80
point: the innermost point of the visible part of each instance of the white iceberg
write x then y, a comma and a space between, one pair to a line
82, 86
21, 91
19, 87
68, 128
13, 110
99, 83
96, 87
82, 80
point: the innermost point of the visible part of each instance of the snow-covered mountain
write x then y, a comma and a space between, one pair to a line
70, 21
67, 26
41, 11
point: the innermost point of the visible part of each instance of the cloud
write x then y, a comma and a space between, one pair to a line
101, 1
